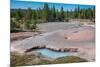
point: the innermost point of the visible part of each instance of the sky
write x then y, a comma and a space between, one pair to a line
16, 4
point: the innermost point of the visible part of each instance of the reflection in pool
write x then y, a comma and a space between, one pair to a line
54, 54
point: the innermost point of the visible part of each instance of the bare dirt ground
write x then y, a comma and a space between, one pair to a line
22, 35
60, 35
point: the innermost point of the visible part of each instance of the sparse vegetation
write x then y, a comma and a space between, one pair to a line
24, 60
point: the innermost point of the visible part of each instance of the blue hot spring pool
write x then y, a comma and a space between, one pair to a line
53, 54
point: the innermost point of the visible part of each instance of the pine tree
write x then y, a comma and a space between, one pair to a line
39, 13
46, 12
78, 9
62, 14
18, 14
93, 12
54, 13
29, 14
34, 21
28, 18
57, 15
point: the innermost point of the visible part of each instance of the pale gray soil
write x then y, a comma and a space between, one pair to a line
54, 37
53, 26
